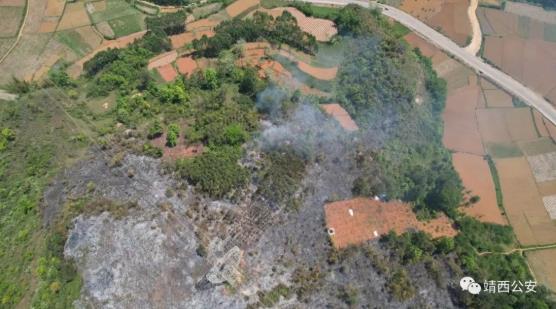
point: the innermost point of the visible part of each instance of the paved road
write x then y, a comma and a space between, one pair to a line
484, 69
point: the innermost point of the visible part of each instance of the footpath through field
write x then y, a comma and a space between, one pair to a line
481, 67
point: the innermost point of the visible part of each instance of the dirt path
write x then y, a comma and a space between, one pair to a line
19, 33
477, 38
520, 250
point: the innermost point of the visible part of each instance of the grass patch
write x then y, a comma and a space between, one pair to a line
114, 9
127, 25
550, 32
503, 150
496, 180
43, 145
329, 54
74, 41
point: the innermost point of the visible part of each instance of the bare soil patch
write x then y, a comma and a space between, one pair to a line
181, 150
202, 24
543, 266
316, 72
506, 124
162, 59
360, 219
461, 131
475, 175
241, 6
186, 65
74, 16
167, 72
523, 204
416, 41
519, 122
341, 115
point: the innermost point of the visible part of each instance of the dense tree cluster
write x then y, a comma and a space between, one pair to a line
283, 29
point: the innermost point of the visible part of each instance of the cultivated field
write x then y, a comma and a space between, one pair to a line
74, 16
500, 125
497, 98
453, 21
475, 175
167, 72
11, 17
241, 6
522, 47
186, 65
523, 203
322, 29
162, 59
543, 266
316, 72
461, 132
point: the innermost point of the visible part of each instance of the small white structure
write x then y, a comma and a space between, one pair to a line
350, 211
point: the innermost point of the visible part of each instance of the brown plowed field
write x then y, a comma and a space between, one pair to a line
74, 16
48, 26
186, 65
162, 59
318, 73
54, 7
453, 21
506, 124
475, 175
547, 188
498, 98
167, 72
523, 204
461, 131
241, 6
371, 219
423, 10
543, 266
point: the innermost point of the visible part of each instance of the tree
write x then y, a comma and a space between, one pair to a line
155, 130
172, 135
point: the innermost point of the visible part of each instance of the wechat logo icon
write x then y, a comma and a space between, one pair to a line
469, 284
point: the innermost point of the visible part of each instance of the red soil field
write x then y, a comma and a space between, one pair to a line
316, 72
180, 40
162, 59
453, 20
369, 219
341, 115
475, 175
461, 131
186, 65
167, 72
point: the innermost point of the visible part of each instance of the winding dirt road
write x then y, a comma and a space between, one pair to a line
477, 37
484, 69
